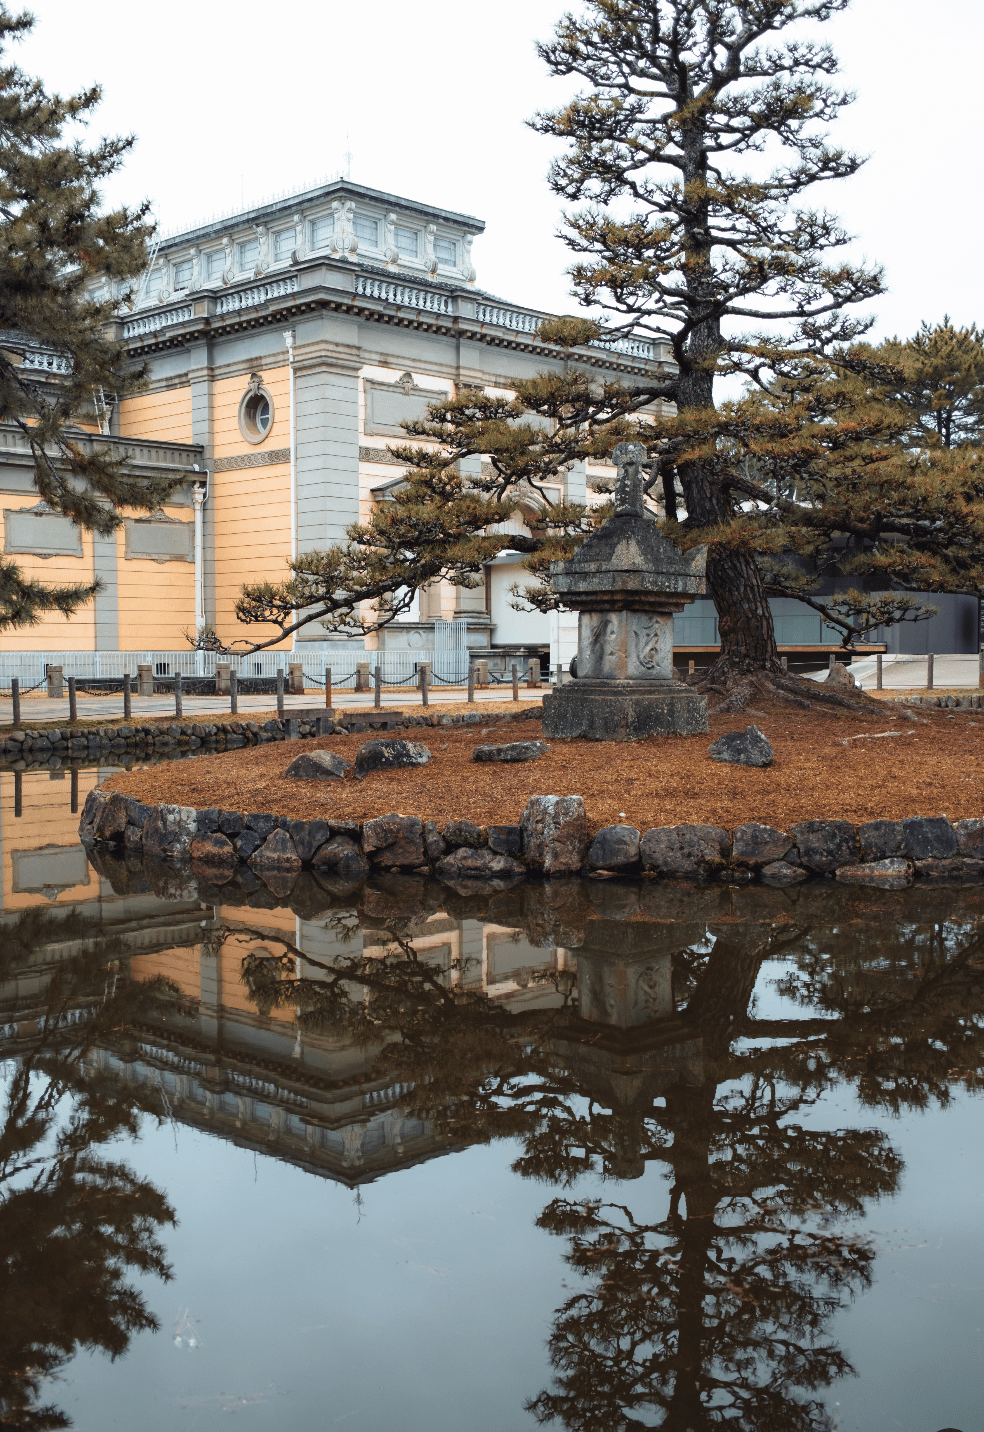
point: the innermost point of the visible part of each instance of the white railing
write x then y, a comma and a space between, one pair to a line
508, 318
402, 294
259, 293
47, 363
153, 322
633, 347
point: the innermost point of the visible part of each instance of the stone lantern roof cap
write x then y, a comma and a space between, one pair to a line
630, 555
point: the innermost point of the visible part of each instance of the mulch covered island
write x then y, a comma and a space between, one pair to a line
936, 767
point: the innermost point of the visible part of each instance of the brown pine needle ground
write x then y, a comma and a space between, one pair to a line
934, 767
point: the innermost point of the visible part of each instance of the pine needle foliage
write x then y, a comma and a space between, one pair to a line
57, 248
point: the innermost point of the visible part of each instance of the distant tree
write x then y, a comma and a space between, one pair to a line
941, 382
61, 260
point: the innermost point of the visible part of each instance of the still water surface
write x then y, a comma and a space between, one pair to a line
590, 1156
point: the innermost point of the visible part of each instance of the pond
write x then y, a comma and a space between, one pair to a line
590, 1155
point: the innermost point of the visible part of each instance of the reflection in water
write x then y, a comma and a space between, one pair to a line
357, 1034
75, 1224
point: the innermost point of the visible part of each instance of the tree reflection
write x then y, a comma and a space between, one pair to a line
715, 1311
74, 1224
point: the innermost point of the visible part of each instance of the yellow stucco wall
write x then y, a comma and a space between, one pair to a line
163, 416
250, 505
53, 632
47, 822
156, 599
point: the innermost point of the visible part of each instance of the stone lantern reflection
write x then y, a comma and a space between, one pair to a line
625, 582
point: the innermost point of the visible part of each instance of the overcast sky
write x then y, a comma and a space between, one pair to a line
239, 102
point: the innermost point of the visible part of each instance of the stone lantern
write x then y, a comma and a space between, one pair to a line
625, 582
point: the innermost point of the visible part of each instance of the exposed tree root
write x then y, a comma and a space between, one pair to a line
743, 690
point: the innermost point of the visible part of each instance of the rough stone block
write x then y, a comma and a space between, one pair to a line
464, 832
278, 852
308, 836
261, 822
389, 755
692, 852
780, 872
433, 841
555, 834
937, 871
506, 839
615, 847
891, 874
970, 838
466, 863
91, 811
511, 751
111, 821
929, 838
247, 843
341, 858
318, 766
169, 831
213, 849
881, 839
824, 845
755, 844
208, 819
394, 839
750, 747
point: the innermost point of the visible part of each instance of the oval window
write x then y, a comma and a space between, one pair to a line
256, 414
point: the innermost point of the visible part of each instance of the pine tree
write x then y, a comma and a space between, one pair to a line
62, 262
941, 383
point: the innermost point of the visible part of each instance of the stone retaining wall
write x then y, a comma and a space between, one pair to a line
21, 750
551, 839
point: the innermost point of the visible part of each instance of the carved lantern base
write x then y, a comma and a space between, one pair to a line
623, 710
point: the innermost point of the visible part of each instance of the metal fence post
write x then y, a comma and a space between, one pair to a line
785, 663
929, 671
471, 682
377, 686
127, 710
178, 703
233, 693
830, 661
18, 794
878, 671
75, 789
15, 698
280, 693
73, 705
424, 682
515, 679
327, 685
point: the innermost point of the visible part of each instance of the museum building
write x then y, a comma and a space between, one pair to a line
285, 346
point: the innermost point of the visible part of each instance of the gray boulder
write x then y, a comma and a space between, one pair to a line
278, 852
692, 852
318, 766
935, 871
970, 838
434, 845
262, 822
342, 858
881, 839
929, 838
555, 834
512, 751
742, 748
389, 755
825, 845
505, 839
891, 874
308, 837
111, 821
169, 831
231, 823
394, 839
755, 844
212, 850
840, 676
466, 863
615, 847
91, 811
464, 832
247, 843
780, 872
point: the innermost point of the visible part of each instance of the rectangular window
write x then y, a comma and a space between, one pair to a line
446, 250
322, 230
367, 229
182, 274
406, 241
215, 263
154, 284
283, 244
249, 253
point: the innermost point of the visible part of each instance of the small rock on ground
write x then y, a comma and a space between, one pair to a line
512, 751
389, 755
742, 748
318, 766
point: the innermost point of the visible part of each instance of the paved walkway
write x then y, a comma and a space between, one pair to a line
909, 672
109, 709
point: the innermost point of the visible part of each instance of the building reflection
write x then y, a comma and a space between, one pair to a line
604, 1029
